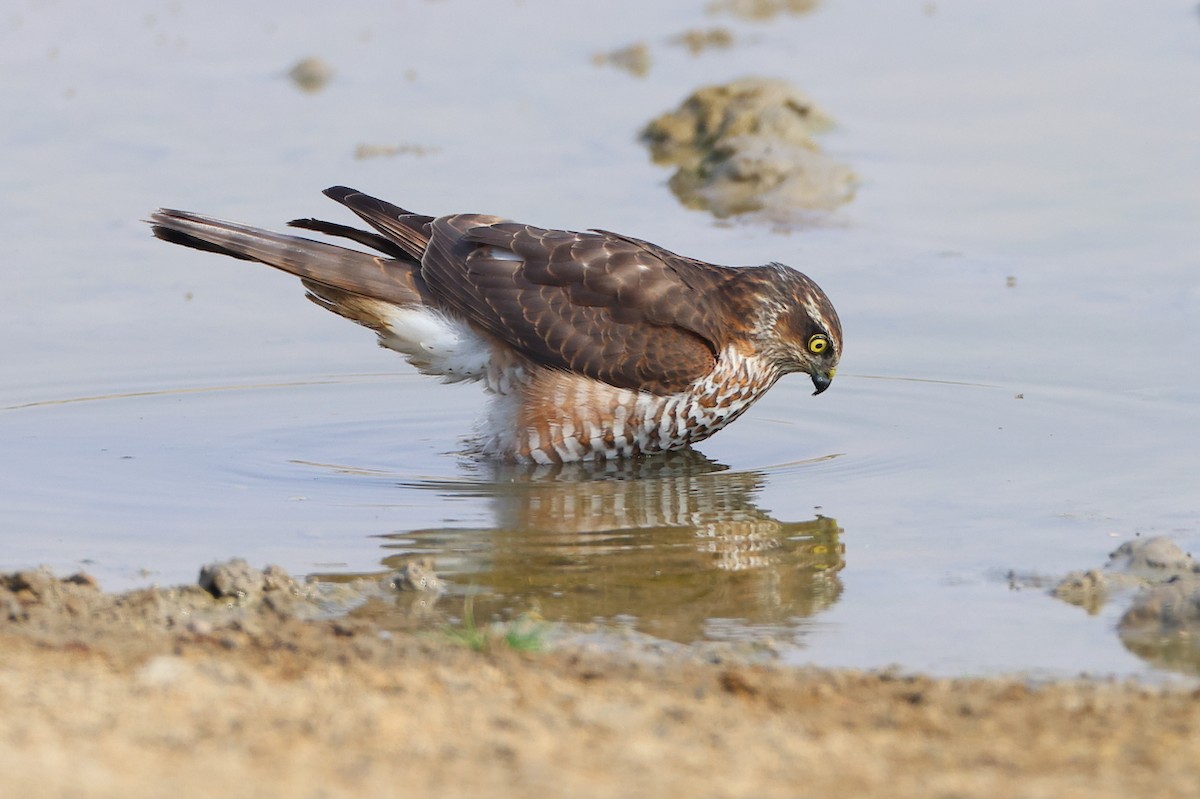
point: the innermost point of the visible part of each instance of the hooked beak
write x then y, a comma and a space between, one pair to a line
821, 380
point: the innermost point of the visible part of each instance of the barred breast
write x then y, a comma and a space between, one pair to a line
542, 416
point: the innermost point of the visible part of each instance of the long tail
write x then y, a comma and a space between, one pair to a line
383, 292
395, 279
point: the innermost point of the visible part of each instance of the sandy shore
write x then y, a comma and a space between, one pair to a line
179, 693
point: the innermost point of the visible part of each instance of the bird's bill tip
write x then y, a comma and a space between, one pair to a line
822, 380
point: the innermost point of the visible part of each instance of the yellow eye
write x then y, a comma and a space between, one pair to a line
818, 344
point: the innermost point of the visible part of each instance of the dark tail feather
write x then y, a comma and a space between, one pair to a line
394, 281
179, 237
366, 238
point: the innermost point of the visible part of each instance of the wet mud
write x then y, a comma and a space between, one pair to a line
252, 678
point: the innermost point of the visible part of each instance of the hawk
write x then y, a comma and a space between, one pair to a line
594, 345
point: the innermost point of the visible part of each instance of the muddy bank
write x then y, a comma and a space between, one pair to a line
252, 688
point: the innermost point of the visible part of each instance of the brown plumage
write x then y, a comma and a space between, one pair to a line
597, 344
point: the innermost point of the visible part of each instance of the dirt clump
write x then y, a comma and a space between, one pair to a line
1162, 623
749, 146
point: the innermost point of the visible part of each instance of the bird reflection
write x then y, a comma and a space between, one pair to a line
673, 545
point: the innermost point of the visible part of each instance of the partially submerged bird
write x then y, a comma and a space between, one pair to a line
595, 345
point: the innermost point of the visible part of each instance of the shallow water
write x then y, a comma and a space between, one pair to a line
1019, 279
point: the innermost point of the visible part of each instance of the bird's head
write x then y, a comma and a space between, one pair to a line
805, 334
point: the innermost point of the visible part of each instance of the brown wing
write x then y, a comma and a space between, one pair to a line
615, 309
